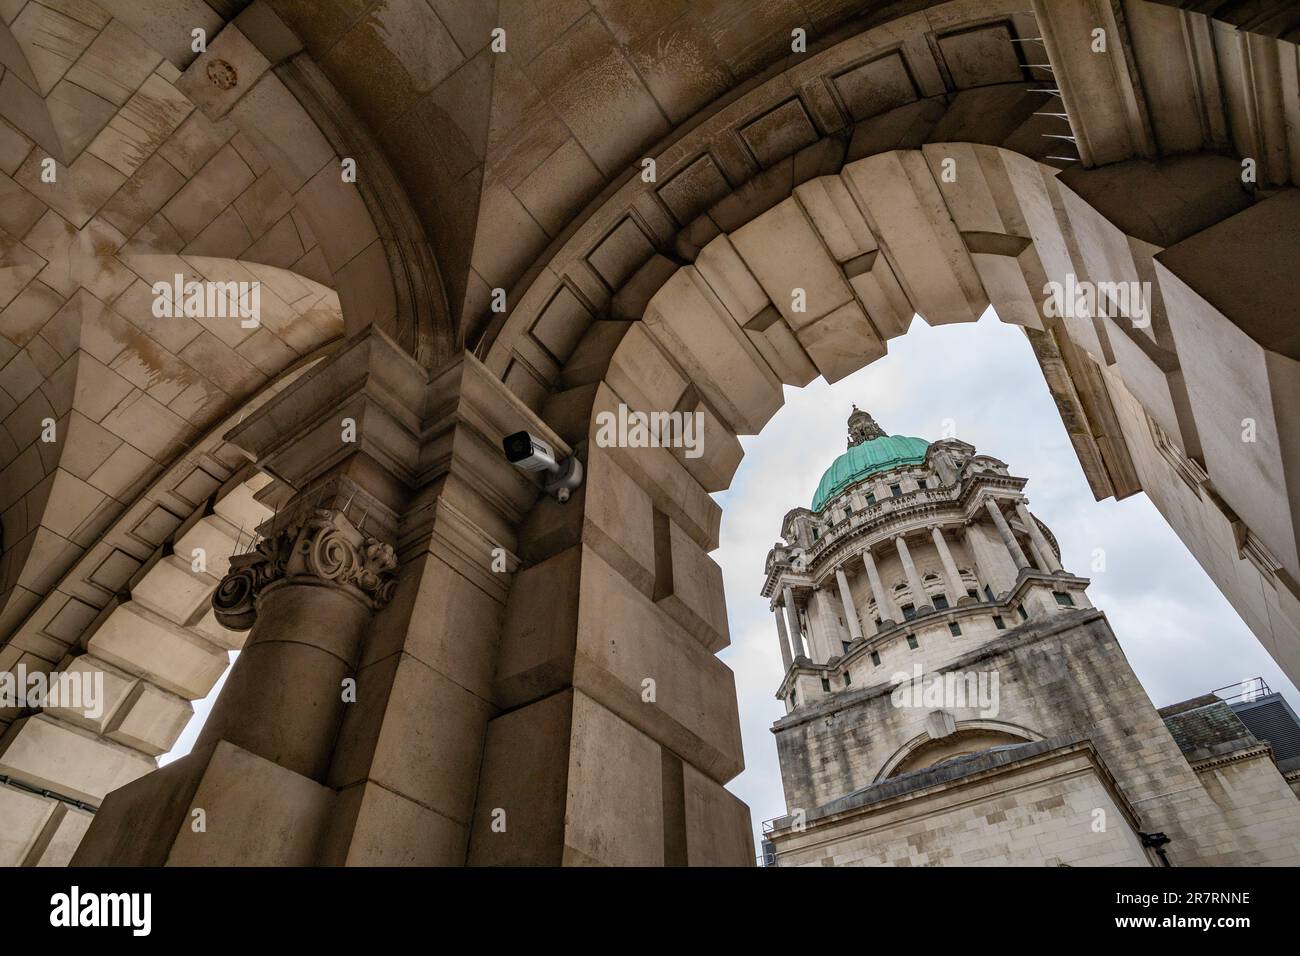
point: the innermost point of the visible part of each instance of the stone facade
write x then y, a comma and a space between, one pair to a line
991, 716
1023, 812
556, 211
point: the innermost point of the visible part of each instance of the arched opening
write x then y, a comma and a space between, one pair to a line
1179, 633
632, 546
962, 742
722, 336
809, 183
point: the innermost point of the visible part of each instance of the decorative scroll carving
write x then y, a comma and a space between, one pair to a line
323, 547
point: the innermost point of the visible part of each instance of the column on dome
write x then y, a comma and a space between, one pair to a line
1036, 557
993, 563
1050, 564
885, 609
1008, 537
850, 611
952, 577
786, 657
792, 617
824, 635
919, 598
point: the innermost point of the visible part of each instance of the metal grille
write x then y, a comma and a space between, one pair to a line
1270, 718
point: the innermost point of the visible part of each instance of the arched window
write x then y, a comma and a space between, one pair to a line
969, 738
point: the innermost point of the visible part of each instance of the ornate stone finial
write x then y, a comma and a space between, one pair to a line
862, 427
322, 547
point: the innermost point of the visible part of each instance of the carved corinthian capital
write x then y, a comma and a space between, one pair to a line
322, 548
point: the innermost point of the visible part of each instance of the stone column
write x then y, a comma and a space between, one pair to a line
884, 600
982, 575
786, 658
792, 616
956, 590
850, 612
919, 599
1038, 538
344, 772
1008, 537
308, 591
1036, 556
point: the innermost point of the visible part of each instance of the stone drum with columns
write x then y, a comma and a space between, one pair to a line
953, 698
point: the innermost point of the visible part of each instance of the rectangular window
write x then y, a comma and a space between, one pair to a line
871, 500
1063, 598
1000, 624
826, 685
909, 611
875, 658
848, 678
895, 491
911, 641
954, 629
940, 602
846, 645
988, 593
1024, 615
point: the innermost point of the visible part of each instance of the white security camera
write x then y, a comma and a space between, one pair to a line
527, 452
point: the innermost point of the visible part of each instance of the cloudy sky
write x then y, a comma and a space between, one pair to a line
1179, 633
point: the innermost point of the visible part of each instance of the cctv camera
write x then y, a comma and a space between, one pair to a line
527, 452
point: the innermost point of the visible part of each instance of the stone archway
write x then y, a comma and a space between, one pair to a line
165, 177
720, 337
134, 610
615, 595
462, 642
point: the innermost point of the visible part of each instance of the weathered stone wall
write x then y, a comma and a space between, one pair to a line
1192, 505
1045, 814
1254, 801
1054, 680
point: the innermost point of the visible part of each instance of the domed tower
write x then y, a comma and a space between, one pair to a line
905, 535
952, 696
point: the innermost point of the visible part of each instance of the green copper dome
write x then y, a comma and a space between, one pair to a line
868, 458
